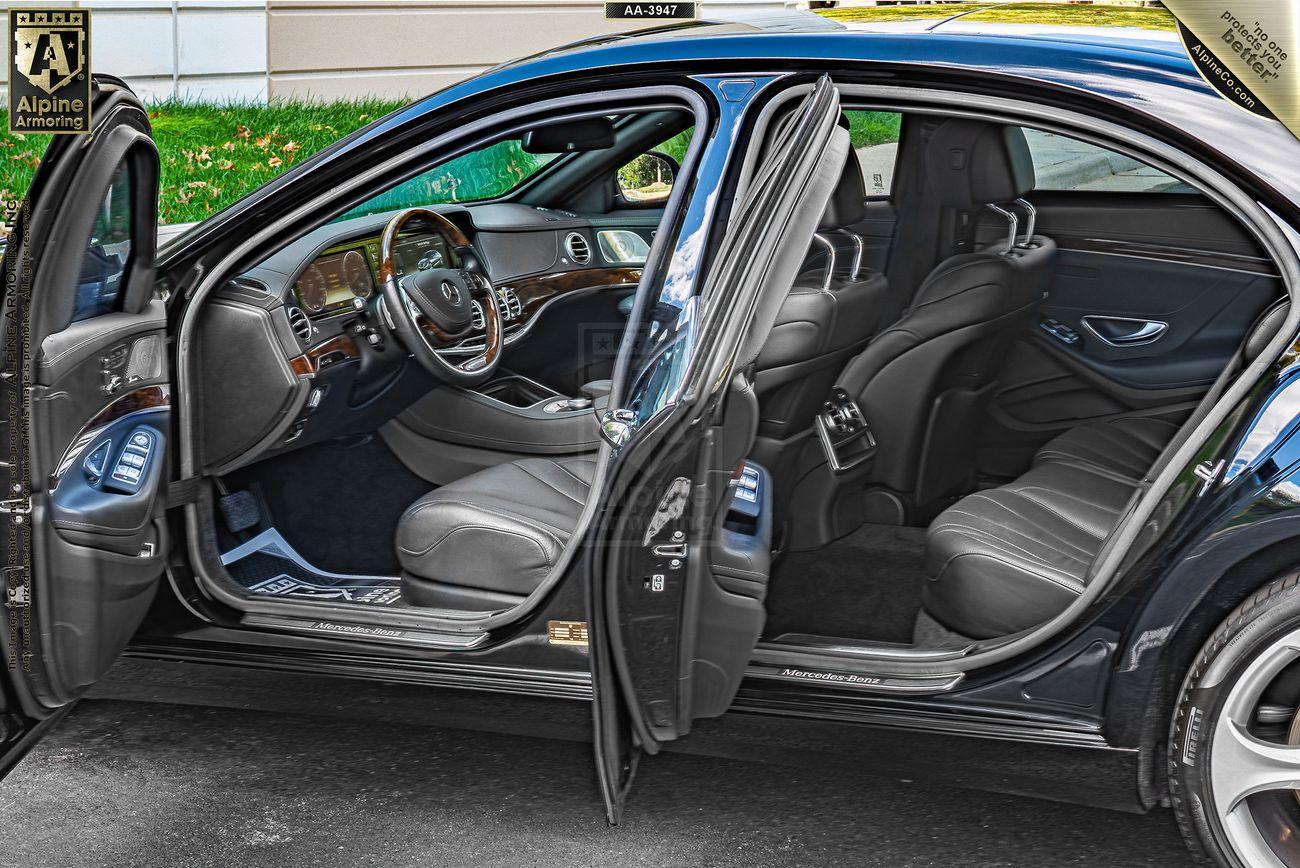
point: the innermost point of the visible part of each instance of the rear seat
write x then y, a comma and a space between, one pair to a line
1124, 448
1009, 558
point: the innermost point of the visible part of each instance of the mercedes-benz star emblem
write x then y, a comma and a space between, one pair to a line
450, 292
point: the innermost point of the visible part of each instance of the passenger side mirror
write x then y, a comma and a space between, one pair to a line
586, 134
648, 178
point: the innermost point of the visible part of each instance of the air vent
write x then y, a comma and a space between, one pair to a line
579, 250
511, 307
476, 316
300, 324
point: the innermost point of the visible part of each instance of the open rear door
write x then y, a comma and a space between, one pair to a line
682, 562
85, 392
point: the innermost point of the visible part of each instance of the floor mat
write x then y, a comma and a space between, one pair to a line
268, 566
337, 502
864, 586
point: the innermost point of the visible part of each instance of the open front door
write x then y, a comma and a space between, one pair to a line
85, 392
681, 570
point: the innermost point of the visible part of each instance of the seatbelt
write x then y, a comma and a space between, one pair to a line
183, 492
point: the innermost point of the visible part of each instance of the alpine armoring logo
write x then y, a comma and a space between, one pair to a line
49, 71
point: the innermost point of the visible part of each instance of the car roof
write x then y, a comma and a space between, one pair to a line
1142, 72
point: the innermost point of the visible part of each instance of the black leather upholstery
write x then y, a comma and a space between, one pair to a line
487, 540
822, 322
1007, 559
923, 382
1123, 448
848, 205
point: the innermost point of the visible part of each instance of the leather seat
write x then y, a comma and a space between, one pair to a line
1124, 448
923, 383
829, 314
1007, 559
487, 540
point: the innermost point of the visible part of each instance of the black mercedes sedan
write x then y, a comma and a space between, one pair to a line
920, 401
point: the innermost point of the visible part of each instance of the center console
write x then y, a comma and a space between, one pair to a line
453, 432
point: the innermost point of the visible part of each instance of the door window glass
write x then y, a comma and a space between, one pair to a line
874, 135
1063, 163
107, 250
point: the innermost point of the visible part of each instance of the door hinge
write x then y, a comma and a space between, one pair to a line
1207, 473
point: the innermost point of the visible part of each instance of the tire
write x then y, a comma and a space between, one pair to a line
1224, 669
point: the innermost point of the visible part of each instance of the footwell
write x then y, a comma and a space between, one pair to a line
268, 566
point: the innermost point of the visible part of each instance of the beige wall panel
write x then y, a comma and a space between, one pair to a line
390, 84
319, 36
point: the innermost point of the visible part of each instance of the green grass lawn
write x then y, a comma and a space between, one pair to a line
211, 155
1095, 15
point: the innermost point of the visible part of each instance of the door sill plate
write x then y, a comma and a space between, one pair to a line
346, 630
868, 682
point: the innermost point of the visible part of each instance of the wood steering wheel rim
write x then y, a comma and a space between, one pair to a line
415, 331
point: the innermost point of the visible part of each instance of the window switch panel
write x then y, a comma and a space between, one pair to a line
132, 465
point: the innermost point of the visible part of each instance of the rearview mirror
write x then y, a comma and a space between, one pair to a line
587, 134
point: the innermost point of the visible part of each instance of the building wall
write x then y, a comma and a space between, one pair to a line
222, 50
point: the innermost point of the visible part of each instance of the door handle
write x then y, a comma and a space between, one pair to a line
1122, 331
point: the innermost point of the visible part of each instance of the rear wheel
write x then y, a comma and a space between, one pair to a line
1234, 747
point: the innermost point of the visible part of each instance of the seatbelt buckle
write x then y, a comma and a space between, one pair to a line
846, 438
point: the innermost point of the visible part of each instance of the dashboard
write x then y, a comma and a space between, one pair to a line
288, 358
350, 270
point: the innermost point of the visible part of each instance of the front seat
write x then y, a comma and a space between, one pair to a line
824, 321
923, 383
498, 532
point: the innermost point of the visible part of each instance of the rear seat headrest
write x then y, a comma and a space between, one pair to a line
1002, 168
975, 163
848, 203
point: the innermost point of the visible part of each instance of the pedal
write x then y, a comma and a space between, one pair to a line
240, 511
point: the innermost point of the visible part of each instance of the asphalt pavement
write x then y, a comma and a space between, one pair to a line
143, 784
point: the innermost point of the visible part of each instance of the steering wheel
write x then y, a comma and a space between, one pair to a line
433, 308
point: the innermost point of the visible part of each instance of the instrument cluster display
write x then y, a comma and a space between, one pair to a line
340, 274
334, 279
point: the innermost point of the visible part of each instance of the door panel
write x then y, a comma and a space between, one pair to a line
87, 384
679, 580
1151, 295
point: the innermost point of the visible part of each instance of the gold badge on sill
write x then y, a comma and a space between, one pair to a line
49, 71
566, 632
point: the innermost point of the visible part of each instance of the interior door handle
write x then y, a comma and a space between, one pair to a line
1122, 331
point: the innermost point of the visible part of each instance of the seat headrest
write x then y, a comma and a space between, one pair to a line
848, 203
1002, 168
1264, 329
975, 163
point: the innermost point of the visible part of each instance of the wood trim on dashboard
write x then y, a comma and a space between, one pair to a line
533, 292
310, 363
